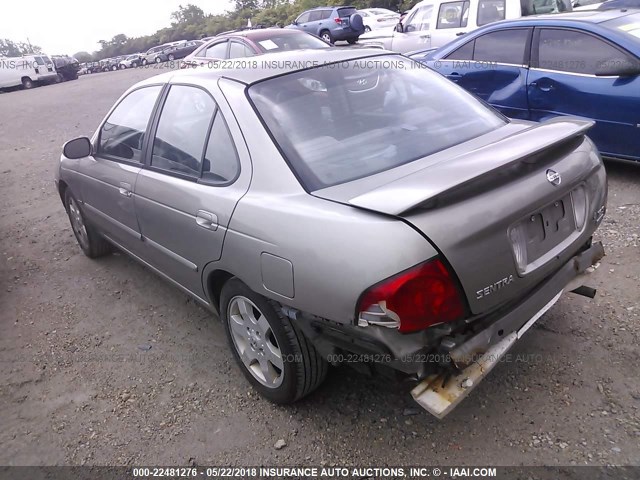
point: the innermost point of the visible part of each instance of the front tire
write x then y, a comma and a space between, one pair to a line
273, 354
90, 241
27, 83
171, 58
158, 60
367, 28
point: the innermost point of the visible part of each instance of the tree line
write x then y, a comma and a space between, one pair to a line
190, 22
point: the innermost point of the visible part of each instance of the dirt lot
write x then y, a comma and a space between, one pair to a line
101, 362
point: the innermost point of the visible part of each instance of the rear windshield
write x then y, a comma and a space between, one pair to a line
346, 12
297, 41
340, 122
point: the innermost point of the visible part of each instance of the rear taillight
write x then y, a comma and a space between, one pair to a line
413, 300
338, 20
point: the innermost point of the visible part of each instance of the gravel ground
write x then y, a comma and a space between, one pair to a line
103, 363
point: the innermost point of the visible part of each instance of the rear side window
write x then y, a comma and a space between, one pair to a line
490, 11
505, 46
325, 14
122, 135
239, 50
574, 52
218, 51
220, 160
453, 15
182, 130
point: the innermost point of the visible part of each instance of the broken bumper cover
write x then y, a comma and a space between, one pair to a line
439, 394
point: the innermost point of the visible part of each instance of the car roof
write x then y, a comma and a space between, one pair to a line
587, 16
260, 33
329, 7
273, 65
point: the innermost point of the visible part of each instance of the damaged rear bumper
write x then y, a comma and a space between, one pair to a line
440, 393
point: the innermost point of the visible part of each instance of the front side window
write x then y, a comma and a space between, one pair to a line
122, 135
182, 130
575, 52
420, 19
338, 125
304, 18
453, 15
490, 11
505, 46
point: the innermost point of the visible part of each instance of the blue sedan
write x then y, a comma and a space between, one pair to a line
582, 63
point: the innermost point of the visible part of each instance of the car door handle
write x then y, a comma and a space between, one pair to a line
544, 88
459, 34
454, 77
125, 189
207, 220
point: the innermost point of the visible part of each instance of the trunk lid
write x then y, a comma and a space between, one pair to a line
503, 215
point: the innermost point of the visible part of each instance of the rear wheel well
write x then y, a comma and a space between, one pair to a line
215, 282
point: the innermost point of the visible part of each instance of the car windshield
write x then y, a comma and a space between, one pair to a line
292, 41
628, 23
340, 122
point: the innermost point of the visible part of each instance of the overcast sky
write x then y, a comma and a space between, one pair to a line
70, 26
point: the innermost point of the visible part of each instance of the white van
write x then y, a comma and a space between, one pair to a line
28, 71
434, 23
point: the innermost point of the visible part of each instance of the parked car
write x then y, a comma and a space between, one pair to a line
434, 23
375, 18
156, 54
330, 214
66, 66
331, 23
574, 64
619, 4
28, 71
247, 43
131, 61
94, 67
111, 64
181, 49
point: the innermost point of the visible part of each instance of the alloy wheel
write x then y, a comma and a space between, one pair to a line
255, 342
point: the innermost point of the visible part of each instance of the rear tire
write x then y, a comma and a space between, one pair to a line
27, 83
93, 245
326, 36
171, 58
272, 352
367, 28
158, 60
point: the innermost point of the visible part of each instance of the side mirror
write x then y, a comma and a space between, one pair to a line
295, 22
617, 67
77, 148
399, 27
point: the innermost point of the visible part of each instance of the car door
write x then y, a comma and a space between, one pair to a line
452, 21
108, 177
189, 188
494, 67
416, 31
302, 21
563, 81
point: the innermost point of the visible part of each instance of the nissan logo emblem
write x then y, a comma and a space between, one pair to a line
553, 177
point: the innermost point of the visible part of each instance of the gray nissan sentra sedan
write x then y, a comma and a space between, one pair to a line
346, 205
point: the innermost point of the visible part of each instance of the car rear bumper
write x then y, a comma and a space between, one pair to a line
434, 350
345, 33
